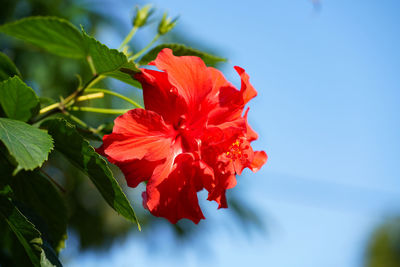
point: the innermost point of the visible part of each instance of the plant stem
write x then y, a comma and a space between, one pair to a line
48, 108
80, 122
128, 37
105, 91
138, 54
100, 110
71, 97
94, 81
90, 96
80, 90
77, 120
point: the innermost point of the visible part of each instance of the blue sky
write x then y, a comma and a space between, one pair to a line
327, 114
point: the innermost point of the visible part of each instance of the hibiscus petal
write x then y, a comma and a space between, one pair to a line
225, 181
188, 74
138, 134
251, 135
226, 132
231, 101
247, 90
175, 197
260, 158
204, 177
159, 95
137, 171
218, 81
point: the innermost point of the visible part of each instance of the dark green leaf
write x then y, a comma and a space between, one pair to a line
109, 62
85, 131
124, 74
25, 231
36, 192
81, 154
6, 170
57, 36
7, 68
39, 253
48, 257
181, 50
18, 100
28, 145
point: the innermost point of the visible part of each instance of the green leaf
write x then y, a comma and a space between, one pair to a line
48, 257
124, 74
25, 231
82, 155
18, 100
104, 59
37, 193
109, 62
6, 169
28, 145
56, 35
7, 68
30, 238
181, 50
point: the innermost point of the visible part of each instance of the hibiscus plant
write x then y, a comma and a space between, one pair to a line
191, 133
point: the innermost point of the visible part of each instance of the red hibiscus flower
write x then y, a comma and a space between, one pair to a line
192, 135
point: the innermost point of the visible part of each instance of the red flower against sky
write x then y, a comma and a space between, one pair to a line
192, 135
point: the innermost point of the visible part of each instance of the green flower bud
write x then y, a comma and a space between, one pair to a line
142, 15
166, 24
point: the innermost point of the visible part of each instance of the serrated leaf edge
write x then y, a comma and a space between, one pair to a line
27, 86
103, 160
18, 168
48, 18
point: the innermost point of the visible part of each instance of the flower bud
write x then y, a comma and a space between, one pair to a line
166, 24
142, 15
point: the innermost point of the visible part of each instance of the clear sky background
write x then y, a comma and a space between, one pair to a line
327, 115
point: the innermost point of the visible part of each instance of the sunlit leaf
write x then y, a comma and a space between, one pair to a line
56, 35
82, 155
18, 100
104, 59
109, 62
28, 145
180, 50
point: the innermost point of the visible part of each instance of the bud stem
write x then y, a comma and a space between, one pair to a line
48, 108
90, 96
105, 91
138, 54
128, 37
100, 110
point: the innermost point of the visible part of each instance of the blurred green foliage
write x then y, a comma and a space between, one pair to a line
384, 247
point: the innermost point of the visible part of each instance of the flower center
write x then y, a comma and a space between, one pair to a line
237, 150
187, 136
181, 123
